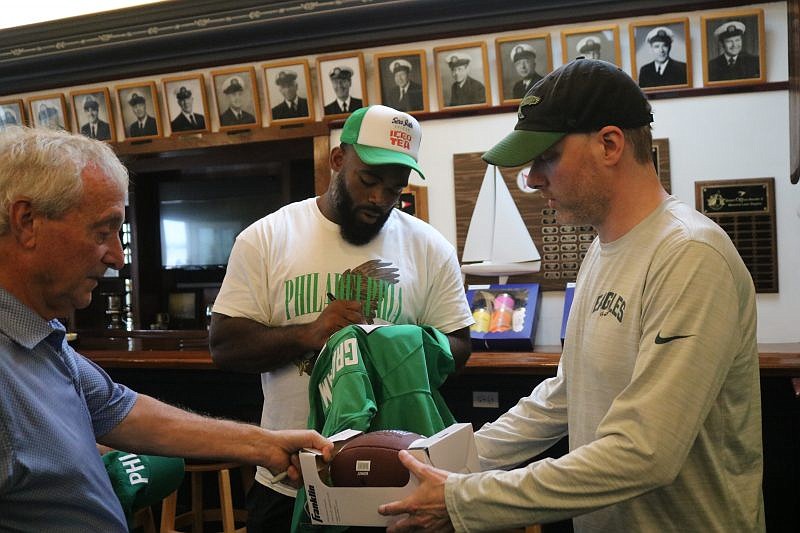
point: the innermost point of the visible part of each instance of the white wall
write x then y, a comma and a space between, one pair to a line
710, 137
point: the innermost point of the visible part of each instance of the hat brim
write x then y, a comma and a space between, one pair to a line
372, 155
520, 147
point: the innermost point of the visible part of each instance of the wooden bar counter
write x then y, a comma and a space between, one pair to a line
188, 350
176, 366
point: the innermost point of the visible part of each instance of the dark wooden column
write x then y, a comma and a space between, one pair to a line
794, 89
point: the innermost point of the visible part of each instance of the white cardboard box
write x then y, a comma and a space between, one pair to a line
451, 449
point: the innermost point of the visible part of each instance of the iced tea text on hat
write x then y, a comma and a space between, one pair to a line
384, 136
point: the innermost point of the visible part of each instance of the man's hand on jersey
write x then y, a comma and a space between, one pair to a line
336, 315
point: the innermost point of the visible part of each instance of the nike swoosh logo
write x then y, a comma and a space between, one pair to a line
664, 340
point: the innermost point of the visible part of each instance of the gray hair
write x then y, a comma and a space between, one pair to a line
46, 165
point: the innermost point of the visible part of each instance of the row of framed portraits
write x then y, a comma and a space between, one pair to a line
732, 51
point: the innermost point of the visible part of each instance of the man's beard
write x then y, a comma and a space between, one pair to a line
351, 228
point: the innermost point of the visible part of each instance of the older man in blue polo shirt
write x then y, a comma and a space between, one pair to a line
62, 201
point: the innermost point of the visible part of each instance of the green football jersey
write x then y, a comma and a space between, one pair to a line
370, 378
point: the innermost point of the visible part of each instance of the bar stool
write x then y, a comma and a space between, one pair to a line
197, 515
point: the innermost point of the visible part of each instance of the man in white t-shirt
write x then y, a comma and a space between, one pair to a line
658, 383
302, 273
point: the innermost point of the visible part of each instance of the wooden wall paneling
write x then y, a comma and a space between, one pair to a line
794, 88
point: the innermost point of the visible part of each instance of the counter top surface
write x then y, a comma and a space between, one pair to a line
778, 359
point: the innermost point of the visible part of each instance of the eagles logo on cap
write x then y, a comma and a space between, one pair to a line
530, 99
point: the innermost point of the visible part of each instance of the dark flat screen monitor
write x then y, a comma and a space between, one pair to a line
199, 219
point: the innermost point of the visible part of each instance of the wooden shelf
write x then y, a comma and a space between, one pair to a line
209, 140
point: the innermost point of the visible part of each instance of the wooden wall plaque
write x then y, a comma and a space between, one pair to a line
561, 246
745, 209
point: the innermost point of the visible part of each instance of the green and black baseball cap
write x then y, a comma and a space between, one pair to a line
582, 96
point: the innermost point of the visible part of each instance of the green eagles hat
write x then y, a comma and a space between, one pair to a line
384, 136
139, 481
582, 96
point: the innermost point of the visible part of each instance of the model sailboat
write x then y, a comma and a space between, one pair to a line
497, 235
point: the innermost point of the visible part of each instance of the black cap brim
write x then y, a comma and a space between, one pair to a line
520, 147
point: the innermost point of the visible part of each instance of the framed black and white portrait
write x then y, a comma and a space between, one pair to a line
342, 84
402, 80
522, 60
598, 42
139, 109
187, 106
462, 76
236, 95
11, 113
661, 54
733, 48
93, 115
289, 95
49, 111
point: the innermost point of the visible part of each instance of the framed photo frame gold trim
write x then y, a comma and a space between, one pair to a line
509, 78
107, 132
603, 37
236, 113
415, 98
749, 66
125, 95
51, 112
279, 112
450, 58
173, 86
645, 55
12, 113
326, 67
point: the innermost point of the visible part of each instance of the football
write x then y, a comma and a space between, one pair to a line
370, 460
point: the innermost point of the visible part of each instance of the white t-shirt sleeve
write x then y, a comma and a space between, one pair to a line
246, 283
447, 308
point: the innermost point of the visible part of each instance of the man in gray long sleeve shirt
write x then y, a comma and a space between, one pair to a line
658, 385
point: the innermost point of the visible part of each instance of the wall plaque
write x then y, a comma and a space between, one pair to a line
745, 209
561, 246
